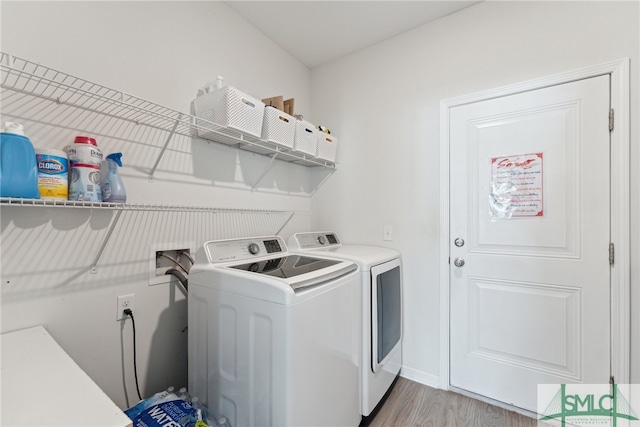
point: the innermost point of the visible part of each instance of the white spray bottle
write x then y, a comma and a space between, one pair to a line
113, 189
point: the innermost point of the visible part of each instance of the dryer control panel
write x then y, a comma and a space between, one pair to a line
315, 240
241, 249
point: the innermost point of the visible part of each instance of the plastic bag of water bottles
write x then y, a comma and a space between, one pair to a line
173, 409
175, 413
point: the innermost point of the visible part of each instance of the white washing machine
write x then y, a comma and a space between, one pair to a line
273, 336
381, 278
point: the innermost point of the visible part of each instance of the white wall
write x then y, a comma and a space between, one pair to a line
383, 104
161, 51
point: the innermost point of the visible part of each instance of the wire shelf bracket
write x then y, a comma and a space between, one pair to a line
326, 177
94, 266
164, 148
264, 172
285, 223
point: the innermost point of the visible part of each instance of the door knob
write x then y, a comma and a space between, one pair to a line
458, 262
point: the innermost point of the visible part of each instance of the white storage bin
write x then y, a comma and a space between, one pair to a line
278, 127
306, 138
230, 108
327, 146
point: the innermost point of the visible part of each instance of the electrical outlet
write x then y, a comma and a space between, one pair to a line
388, 233
124, 302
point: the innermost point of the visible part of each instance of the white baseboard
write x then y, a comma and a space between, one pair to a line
420, 377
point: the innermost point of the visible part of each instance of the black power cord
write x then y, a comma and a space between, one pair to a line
129, 313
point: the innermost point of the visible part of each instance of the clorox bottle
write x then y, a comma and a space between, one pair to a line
18, 169
113, 188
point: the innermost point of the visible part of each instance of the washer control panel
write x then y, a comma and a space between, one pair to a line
246, 248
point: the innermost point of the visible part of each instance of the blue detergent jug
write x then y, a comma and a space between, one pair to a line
18, 167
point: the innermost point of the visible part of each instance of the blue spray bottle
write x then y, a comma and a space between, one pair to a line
113, 190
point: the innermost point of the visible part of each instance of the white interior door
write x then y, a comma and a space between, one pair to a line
530, 206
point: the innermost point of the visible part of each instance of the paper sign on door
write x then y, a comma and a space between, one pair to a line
516, 186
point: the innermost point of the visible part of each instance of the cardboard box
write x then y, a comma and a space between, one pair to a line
275, 101
288, 106
285, 105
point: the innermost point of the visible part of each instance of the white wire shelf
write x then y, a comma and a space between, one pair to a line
27, 78
282, 217
50, 203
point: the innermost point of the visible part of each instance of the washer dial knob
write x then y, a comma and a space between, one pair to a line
321, 240
254, 249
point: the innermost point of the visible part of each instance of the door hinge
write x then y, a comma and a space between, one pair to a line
611, 119
612, 380
611, 253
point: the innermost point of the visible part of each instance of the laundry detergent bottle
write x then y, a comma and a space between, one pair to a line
18, 167
113, 188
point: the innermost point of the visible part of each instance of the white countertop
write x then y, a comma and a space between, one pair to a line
42, 386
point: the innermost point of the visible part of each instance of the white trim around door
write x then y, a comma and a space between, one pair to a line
620, 207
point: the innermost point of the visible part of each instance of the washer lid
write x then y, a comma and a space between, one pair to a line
285, 267
298, 270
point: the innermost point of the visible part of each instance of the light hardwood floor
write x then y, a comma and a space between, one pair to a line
413, 404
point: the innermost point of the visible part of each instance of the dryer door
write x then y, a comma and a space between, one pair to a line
386, 312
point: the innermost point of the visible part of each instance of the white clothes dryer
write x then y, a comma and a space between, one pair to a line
381, 278
274, 336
